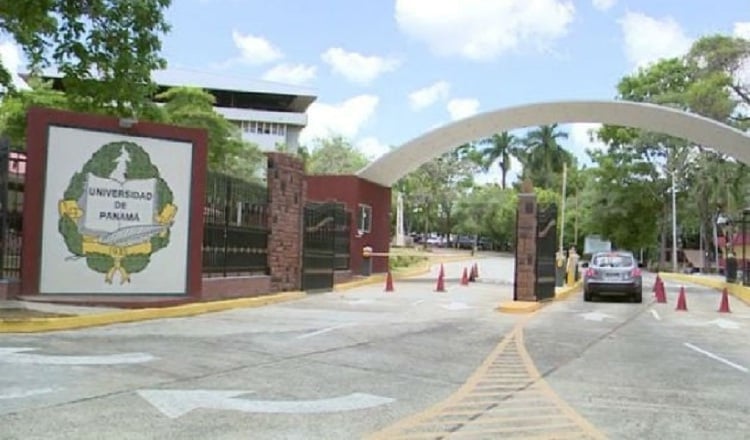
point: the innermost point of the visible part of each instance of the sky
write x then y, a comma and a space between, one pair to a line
386, 71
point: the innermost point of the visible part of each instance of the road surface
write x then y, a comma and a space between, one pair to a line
410, 364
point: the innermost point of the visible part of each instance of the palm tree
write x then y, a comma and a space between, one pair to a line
545, 156
499, 148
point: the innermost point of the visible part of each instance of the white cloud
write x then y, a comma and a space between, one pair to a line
481, 29
649, 39
742, 30
345, 118
298, 74
11, 56
461, 108
358, 68
426, 96
372, 147
580, 138
604, 5
256, 50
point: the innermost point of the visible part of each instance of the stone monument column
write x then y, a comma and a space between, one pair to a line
526, 232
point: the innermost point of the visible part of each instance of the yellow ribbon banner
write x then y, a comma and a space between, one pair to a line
91, 245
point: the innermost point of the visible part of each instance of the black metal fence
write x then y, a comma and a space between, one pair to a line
12, 172
235, 227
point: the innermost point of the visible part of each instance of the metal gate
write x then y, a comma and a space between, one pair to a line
12, 172
322, 223
546, 242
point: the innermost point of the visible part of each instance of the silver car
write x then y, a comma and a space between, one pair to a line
613, 273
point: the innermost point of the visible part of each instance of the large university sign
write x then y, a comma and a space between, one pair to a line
117, 208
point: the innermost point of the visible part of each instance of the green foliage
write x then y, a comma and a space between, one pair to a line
334, 155
105, 49
227, 152
396, 262
15, 105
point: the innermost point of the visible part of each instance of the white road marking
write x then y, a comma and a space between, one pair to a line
456, 306
724, 323
175, 403
15, 355
594, 316
715, 357
416, 303
27, 393
322, 331
656, 315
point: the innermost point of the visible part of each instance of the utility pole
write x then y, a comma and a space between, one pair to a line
674, 225
562, 214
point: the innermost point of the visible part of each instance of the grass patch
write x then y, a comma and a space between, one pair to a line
401, 262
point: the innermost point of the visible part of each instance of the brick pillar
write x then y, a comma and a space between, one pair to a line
526, 245
286, 198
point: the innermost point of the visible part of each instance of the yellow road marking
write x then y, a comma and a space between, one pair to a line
505, 396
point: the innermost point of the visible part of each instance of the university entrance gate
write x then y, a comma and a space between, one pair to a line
325, 244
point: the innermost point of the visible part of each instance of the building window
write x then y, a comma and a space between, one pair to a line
364, 218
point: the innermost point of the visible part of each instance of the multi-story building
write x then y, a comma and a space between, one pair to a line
267, 113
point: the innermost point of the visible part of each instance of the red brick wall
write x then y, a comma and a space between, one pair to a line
351, 190
286, 197
235, 287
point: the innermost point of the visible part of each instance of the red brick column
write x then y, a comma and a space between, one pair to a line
286, 200
526, 245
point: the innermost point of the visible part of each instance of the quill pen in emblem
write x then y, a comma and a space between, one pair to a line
132, 235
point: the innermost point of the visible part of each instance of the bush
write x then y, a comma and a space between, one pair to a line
404, 261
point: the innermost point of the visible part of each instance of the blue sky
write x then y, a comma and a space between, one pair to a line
365, 59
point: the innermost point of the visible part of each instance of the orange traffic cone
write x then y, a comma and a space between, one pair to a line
724, 306
441, 280
476, 270
389, 282
465, 278
472, 273
656, 284
681, 301
661, 293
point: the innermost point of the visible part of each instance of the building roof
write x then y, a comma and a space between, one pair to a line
230, 91
299, 98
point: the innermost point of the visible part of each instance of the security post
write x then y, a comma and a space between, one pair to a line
560, 269
367, 261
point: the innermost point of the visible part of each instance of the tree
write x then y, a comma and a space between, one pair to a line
227, 152
719, 59
499, 148
14, 106
544, 157
334, 155
105, 49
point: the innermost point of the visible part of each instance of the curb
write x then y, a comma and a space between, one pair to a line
517, 307
740, 292
417, 270
38, 325
568, 291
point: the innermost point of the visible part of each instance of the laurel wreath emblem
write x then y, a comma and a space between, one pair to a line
128, 250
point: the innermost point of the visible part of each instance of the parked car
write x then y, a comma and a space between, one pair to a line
613, 273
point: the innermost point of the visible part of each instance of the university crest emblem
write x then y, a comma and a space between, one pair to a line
117, 211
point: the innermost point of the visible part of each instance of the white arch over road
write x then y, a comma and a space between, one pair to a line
389, 168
